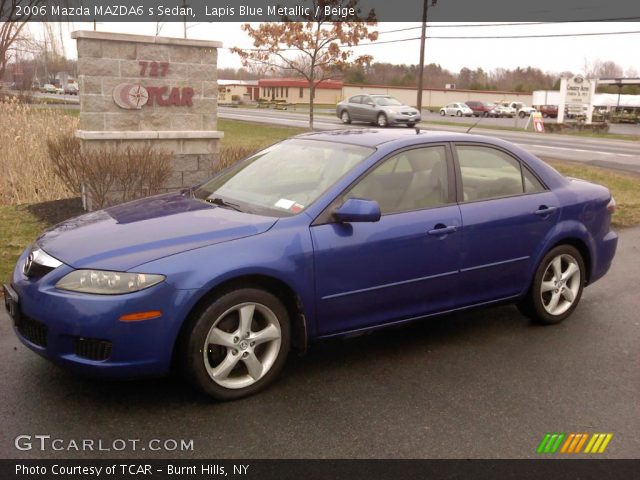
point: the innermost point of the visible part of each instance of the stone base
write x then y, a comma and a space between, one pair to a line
195, 155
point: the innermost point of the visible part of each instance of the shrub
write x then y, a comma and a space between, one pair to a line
109, 174
232, 154
27, 175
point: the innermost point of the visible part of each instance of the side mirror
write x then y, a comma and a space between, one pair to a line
358, 210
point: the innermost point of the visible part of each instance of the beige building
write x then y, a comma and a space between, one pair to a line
435, 97
296, 90
230, 91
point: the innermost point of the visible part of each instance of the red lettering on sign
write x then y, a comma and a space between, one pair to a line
187, 96
177, 96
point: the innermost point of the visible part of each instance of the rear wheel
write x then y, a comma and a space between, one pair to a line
345, 117
442, 113
239, 344
522, 114
382, 120
485, 114
557, 286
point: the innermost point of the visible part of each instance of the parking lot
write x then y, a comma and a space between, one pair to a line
486, 383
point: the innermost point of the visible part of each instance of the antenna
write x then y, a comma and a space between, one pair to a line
474, 125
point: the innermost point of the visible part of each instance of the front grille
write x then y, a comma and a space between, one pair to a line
33, 331
93, 348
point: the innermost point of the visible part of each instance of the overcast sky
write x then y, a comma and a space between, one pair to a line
548, 54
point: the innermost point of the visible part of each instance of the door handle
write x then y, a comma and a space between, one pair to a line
441, 229
543, 210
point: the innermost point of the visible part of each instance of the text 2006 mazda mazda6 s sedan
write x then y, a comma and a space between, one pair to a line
320, 235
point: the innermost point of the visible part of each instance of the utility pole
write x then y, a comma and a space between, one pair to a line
423, 38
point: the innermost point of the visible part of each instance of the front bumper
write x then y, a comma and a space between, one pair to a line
397, 118
83, 332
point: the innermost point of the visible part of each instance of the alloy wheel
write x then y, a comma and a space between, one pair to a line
560, 284
382, 120
242, 345
345, 117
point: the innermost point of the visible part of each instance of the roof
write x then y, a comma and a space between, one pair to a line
373, 137
247, 83
394, 87
298, 82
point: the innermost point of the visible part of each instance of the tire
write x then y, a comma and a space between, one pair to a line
442, 113
382, 121
485, 114
265, 348
345, 117
458, 113
521, 114
545, 115
547, 301
411, 125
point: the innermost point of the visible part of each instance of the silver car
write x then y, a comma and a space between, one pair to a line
382, 110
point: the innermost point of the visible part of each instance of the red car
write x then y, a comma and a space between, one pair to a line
481, 109
548, 111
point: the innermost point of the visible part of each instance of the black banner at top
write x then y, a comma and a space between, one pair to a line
330, 10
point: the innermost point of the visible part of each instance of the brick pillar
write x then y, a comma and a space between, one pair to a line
137, 90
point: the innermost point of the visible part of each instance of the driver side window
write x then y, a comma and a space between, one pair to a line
411, 180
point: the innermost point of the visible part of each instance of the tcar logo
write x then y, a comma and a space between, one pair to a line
130, 96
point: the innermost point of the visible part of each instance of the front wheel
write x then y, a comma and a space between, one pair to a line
458, 113
557, 286
345, 117
522, 114
382, 120
239, 344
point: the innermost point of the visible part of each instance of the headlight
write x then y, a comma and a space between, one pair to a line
103, 282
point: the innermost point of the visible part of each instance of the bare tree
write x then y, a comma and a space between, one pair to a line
11, 29
320, 43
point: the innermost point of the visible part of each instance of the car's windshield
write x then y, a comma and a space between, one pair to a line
387, 101
283, 179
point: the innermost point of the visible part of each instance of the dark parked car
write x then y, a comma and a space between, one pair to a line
321, 235
548, 111
381, 110
481, 109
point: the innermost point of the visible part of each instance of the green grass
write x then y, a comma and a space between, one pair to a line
625, 188
19, 229
248, 133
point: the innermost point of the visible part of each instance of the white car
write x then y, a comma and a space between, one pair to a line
457, 109
504, 110
522, 109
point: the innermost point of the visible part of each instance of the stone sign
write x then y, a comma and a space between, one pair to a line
136, 90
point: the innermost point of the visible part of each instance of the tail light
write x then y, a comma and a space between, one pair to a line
611, 206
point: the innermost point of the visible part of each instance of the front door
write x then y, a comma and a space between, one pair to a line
403, 266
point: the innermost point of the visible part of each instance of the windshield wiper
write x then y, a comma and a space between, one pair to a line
223, 203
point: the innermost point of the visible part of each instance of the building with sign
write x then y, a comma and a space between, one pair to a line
230, 91
296, 90
137, 90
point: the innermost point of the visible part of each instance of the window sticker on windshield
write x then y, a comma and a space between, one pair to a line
296, 208
284, 203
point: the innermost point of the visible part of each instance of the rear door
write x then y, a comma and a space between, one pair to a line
506, 212
403, 266
355, 107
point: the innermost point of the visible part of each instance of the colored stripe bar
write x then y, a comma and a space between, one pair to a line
567, 443
581, 443
591, 442
606, 441
556, 445
543, 443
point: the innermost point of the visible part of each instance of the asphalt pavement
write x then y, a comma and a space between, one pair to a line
610, 153
481, 384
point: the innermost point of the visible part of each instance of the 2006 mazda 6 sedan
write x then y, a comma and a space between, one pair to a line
320, 235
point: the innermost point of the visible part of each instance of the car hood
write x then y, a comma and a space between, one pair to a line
399, 108
127, 235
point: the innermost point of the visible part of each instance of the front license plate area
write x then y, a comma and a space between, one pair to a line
11, 303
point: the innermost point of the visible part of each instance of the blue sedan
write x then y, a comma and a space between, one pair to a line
320, 235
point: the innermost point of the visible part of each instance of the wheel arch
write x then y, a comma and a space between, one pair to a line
582, 247
277, 287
